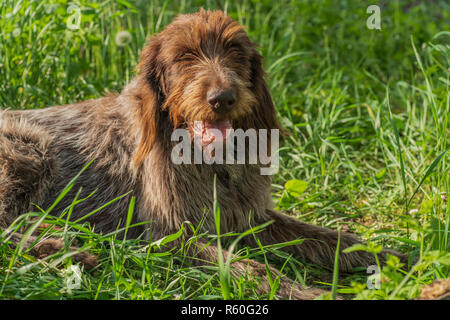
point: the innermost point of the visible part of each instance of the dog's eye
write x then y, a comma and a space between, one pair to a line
235, 50
185, 57
234, 46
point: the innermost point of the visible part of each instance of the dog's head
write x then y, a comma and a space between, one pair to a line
203, 69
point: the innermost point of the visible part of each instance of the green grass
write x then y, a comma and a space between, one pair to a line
369, 117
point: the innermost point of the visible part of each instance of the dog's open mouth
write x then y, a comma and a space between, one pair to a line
209, 132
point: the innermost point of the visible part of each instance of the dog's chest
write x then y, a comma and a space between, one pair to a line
240, 194
186, 193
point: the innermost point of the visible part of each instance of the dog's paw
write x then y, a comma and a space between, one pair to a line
50, 247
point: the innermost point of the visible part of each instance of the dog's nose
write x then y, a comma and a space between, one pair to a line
221, 101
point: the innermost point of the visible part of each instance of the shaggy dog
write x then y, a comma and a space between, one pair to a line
202, 68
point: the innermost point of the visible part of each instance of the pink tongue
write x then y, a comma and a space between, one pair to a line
203, 129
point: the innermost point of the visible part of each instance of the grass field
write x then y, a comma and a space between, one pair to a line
368, 111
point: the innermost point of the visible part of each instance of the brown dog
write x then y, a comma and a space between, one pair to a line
202, 67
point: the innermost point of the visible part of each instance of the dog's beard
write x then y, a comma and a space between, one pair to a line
209, 132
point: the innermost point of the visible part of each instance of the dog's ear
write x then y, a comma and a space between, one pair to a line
264, 113
152, 92
151, 66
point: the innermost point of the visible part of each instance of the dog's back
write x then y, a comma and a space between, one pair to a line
27, 167
42, 150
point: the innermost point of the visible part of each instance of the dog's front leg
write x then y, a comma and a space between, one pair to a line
319, 245
209, 254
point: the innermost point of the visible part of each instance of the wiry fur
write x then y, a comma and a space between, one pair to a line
128, 136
